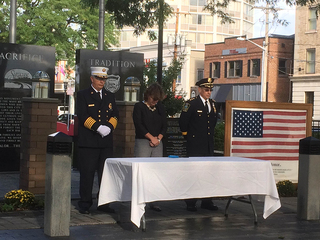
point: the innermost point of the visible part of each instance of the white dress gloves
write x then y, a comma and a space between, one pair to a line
103, 130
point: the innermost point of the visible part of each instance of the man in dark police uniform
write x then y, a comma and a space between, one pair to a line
197, 122
98, 117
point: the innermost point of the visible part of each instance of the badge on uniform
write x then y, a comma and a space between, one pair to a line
186, 107
91, 105
110, 105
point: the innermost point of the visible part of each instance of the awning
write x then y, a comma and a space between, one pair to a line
224, 93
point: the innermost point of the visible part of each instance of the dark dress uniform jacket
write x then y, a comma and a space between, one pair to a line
198, 127
92, 111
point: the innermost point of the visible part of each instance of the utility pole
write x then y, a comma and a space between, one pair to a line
101, 24
264, 81
175, 49
13, 21
160, 43
266, 59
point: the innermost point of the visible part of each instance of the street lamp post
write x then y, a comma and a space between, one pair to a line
160, 43
264, 68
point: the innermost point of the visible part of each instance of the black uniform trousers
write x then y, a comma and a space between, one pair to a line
90, 161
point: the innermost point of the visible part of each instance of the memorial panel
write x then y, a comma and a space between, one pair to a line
174, 142
119, 65
25, 71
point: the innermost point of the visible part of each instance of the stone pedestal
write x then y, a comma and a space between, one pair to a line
124, 135
39, 119
308, 180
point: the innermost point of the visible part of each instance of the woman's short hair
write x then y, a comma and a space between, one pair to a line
155, 91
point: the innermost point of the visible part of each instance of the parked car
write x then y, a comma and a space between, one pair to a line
70, 129
65, 117
63, 110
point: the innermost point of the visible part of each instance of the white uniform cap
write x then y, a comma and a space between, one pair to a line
99, 72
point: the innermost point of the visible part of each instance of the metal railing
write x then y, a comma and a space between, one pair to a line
316, 128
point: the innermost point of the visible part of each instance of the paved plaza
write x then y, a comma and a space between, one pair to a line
173, 222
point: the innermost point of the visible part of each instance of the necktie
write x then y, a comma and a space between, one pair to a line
207, 107
99, 95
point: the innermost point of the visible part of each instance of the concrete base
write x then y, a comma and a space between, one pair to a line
57, 195
308, 202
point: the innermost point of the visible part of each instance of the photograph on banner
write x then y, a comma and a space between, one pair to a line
268, 131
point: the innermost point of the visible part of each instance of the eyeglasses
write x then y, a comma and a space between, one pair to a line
100, 78
208, 89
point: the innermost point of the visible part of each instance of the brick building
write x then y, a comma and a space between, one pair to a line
237, 66
306, 74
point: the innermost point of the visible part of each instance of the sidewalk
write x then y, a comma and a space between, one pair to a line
173, 222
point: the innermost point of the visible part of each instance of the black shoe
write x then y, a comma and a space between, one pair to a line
106, 208
211, 207
155, 208
192, 208
84, 211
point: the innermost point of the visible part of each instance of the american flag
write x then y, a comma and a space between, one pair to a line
267, 134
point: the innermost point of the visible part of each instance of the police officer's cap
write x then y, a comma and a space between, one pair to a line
205, 82
101, 72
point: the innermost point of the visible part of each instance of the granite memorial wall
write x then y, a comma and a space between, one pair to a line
25, 71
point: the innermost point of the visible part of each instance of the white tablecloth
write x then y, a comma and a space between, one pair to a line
142, 180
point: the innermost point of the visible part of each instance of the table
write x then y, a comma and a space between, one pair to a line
143, 180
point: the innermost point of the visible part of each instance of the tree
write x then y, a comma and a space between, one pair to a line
173, 102
64, 24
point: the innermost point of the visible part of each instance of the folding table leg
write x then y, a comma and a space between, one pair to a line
244, 201
143, 223
254, 211
226, 210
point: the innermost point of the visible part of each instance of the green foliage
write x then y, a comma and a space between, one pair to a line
4, 207
63, 24
173, 102
219, 136
286, 189
38, 203
19, 199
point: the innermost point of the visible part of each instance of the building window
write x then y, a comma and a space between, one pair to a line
311, 60
202, 2
215, 70
193, 2
199, 19
309, 98
253, 67
312, 19
196, 19
178, 80
282, 66
200, 73
233, 69
198, 2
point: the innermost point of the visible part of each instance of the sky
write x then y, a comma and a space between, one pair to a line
288, 13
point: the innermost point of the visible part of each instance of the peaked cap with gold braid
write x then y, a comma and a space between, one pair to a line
205, 82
